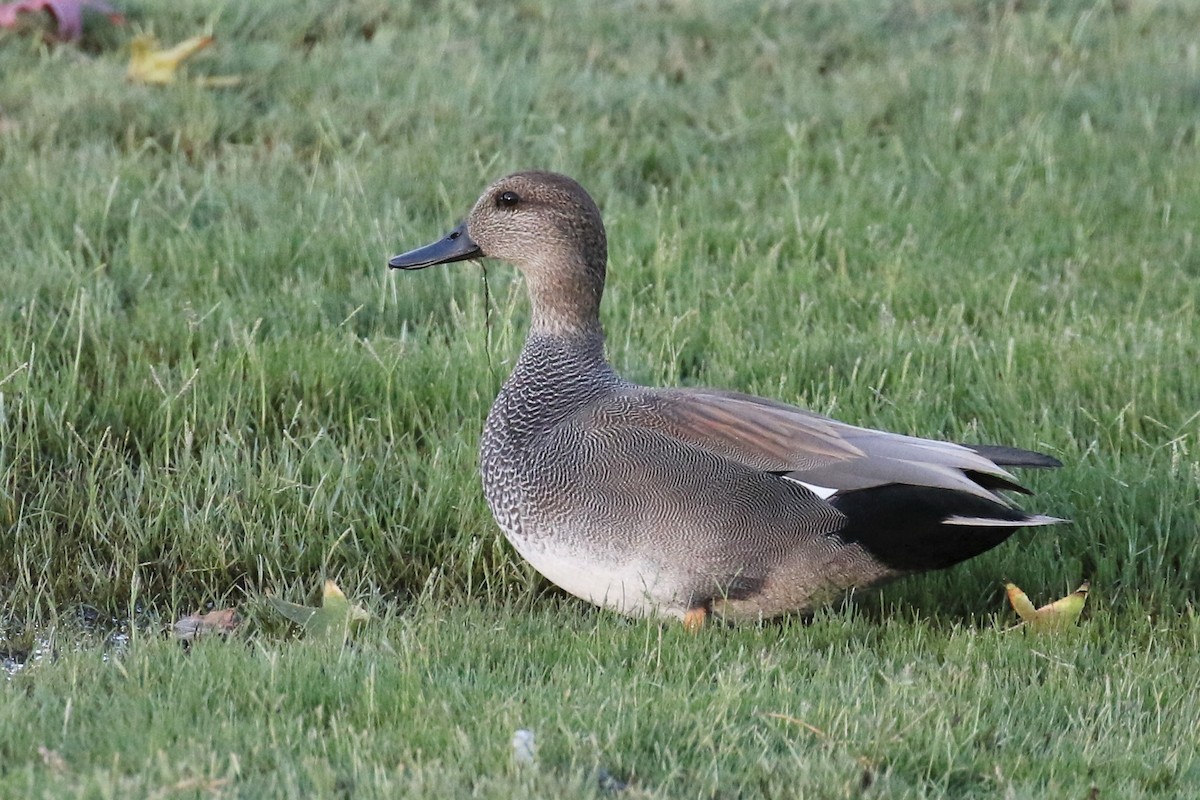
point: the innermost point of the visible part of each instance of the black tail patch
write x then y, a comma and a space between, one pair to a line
901, 525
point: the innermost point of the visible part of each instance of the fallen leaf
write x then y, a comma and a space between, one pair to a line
221, 622
68, 14
1063, 613
149, 64
1052, 617
1020, 602
334, 620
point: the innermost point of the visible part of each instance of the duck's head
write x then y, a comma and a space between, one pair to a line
549, 228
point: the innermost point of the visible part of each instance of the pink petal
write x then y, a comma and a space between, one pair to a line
68, 14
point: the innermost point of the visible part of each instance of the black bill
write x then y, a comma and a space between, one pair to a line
455, 246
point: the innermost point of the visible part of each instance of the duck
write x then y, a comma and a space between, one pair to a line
691, 503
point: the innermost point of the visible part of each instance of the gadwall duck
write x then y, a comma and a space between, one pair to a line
686, 502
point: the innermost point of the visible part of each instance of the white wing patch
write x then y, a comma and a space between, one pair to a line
823, 492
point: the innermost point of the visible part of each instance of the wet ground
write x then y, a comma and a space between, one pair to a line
21, 646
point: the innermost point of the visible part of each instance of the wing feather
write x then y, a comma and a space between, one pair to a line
803, 446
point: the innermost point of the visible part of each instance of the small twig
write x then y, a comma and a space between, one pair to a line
795, 721
487, 320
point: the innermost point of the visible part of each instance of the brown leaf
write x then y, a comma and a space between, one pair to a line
221, 622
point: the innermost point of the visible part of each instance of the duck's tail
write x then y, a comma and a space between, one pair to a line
1004, 456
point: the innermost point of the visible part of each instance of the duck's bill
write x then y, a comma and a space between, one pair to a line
455, 246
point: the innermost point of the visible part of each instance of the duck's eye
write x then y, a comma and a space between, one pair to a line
507, 199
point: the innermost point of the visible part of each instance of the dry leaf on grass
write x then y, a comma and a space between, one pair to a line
221, 622
148, 63
1052, 617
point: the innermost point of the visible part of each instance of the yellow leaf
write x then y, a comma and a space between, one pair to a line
1052, 617
1020, 602
149, 64
1062, 613
334, 620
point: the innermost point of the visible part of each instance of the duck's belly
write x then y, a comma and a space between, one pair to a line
633, 586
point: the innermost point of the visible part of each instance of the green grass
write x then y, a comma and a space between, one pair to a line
428, 703
965, 220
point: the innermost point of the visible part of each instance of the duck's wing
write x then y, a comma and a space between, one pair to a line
826, 456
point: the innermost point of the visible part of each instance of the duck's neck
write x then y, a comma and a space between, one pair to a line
565, 303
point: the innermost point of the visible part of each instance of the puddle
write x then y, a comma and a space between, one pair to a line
13, 662
85, 629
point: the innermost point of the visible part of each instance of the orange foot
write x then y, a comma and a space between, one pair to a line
693, 620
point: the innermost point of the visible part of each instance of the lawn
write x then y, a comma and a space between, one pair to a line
965, 220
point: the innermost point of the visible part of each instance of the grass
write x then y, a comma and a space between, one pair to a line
844, 707
967, 220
